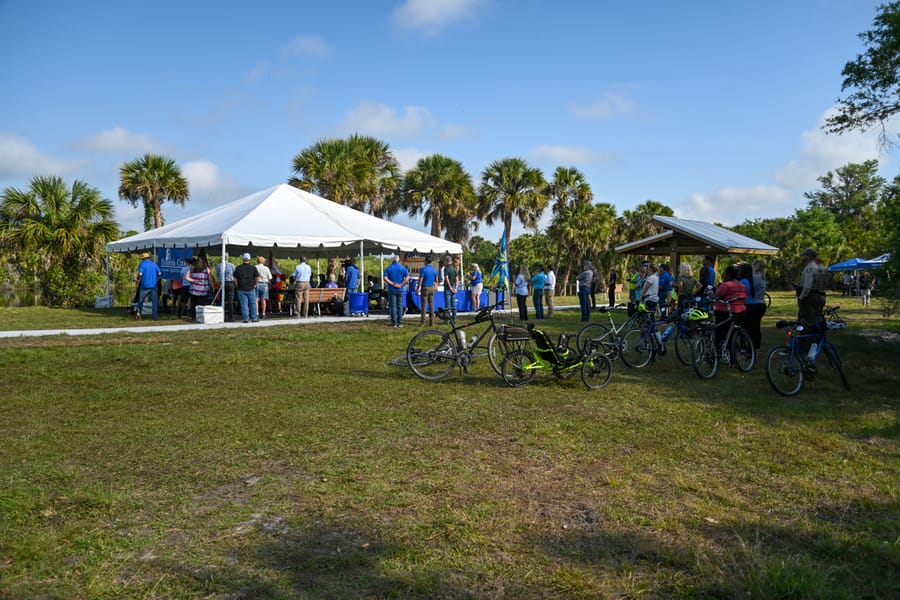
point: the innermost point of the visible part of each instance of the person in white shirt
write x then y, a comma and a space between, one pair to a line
650, 290
262, 285
550, 290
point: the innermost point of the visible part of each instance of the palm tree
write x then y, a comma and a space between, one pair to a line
150, 181
57, 234
510, 188
440, 188
568, 189
360, 172
582, 230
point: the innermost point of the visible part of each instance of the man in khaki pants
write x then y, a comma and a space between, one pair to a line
550, 290
302, 275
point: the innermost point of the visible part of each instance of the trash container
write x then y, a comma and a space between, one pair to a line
359, 303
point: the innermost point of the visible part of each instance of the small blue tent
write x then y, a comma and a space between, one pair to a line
854, 264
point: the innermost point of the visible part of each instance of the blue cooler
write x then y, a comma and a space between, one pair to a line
359, 303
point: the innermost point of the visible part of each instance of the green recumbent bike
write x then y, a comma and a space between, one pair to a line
520, 365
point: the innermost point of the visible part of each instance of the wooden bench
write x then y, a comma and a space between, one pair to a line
320, 296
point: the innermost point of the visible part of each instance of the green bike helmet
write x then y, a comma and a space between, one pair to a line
696, 315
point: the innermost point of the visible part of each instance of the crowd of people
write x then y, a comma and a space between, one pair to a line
257, 292
254, 289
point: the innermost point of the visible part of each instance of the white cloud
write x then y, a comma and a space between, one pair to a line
569, 155
609, 105
730, 206
307, 46
409, 157
432, 15
783, 195
382, 120
21, 158
119, 140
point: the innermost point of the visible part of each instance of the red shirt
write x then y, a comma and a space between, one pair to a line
731, 290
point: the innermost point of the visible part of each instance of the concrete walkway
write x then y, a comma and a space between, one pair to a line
287, 321
189, 326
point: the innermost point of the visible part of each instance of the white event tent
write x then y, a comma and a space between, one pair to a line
291, 223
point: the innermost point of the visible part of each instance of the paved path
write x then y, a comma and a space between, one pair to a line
211, 326
188, 326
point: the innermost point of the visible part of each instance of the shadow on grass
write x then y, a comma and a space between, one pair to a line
335, 560
850, 552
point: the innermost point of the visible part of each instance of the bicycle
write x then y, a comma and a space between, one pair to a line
643, 344
520, 366
736, 347
788, 366
597, 336
432, 354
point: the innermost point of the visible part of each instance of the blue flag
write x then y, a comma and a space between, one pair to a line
501, 264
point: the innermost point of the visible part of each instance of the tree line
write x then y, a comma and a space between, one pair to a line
53, 235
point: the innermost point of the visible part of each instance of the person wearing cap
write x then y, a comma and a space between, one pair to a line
584, 280
811, 291
396, 276
262, 287
225, 273
148, 276
477, 280
246, 277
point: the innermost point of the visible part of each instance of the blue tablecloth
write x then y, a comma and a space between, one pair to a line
463, 300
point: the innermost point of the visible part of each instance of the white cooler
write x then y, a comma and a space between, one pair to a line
210, 314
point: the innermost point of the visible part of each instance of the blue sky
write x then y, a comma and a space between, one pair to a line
713, 108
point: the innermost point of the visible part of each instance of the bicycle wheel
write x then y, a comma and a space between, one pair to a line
590, 336
835, 360
784, 371
768, 300
431, 354
496, 350
704, 357
596, 370
743, 353
636, 348
683, 342
517, 368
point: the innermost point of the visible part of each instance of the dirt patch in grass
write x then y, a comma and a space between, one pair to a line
880, 335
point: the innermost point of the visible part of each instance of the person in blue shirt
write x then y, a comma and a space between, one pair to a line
477, 280
427, 280
148, 277
666, 283
396, 277
352, 275
537, 291
707, 275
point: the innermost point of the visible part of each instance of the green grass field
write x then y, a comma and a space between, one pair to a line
295, 462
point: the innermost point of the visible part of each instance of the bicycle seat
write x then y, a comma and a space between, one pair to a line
785, 323
444, 314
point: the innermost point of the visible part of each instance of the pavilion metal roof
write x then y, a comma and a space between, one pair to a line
687, 237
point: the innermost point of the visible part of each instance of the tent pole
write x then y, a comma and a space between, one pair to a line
107, 273
222, 283
362, 265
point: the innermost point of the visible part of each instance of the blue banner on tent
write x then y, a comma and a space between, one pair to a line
171, 261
